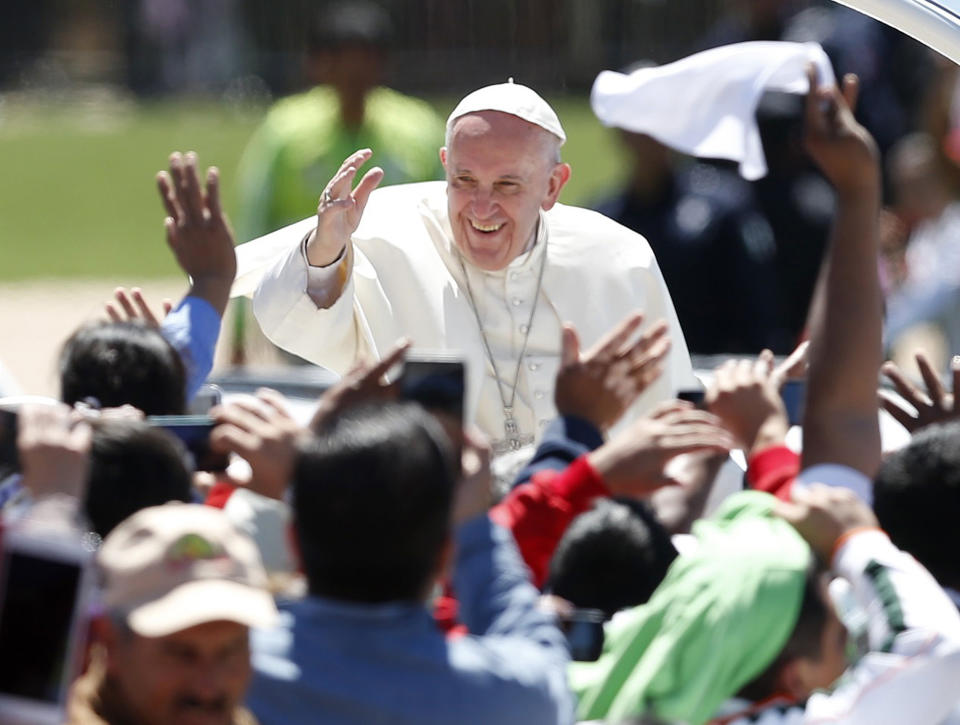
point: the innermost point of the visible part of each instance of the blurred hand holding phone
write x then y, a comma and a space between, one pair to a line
194, 432
434, 380
437, 381
583, 629
45, 567
793, 393
46, 589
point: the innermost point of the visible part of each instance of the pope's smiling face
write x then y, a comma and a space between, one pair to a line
501, 171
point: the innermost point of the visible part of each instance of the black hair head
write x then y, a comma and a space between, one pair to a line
123, 363
372, 497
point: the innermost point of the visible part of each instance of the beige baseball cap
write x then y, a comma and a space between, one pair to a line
171, 567
512, 98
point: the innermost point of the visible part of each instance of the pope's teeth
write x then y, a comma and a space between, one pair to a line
482, 228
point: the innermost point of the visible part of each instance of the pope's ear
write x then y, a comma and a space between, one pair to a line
558, 179
443, 156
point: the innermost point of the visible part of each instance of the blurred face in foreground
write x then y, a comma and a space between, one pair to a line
827, 669
501, 171
196, 676
808, 674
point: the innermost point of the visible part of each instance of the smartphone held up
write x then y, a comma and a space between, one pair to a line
46, 587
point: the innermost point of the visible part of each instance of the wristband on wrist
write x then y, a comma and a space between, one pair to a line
846, 536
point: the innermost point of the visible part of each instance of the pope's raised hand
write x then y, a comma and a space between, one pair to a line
340, 209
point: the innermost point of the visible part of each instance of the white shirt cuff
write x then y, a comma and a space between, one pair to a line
321, 281
833, 474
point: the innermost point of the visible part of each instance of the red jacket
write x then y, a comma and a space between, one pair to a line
537, 513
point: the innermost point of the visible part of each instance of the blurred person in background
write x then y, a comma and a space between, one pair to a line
715, 249
304, 138
799, 205
922, 264
177, 46
747, 20
893, 69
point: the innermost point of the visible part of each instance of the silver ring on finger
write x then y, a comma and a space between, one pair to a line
328, 197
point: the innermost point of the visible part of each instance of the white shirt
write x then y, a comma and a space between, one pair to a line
404, 278
912, 671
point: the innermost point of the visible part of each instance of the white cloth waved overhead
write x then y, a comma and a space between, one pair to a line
704, 105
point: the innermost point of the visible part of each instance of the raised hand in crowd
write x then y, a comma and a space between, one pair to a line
633, 463
197, 229
54, 446
936, 405
822, 515
472, 497
365, 383
602, 383
840, 420
340, 209
121, 412
260, 430
132, 307
842, 148
794, 367
744, 395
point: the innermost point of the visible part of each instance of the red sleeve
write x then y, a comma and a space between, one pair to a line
219, 494
539, 512
773, 470
445, 611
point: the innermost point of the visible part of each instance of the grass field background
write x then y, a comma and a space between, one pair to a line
77, 196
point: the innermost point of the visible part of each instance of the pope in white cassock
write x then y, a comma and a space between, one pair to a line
486, 264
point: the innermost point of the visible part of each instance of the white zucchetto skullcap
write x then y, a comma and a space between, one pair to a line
512, 98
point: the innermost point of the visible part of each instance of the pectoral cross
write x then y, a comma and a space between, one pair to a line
513, 441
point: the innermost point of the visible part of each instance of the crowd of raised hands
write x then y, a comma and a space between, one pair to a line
660, 472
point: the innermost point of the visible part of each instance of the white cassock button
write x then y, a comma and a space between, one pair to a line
543, 423
533, 366
538, 394
514, 275
523, 329
517, 301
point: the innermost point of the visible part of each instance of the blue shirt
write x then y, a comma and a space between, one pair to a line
192, 329
338, 662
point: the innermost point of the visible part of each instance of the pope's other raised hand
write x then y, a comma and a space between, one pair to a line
340, 209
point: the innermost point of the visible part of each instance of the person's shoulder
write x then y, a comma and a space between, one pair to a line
302, 109
570, 219
383, 99
586, 232
405, 120
406, 198
398, 210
